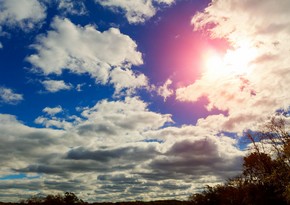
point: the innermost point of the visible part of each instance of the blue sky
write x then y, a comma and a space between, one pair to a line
126, 100
160, 28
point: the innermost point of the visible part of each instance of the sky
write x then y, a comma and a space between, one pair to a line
124, 100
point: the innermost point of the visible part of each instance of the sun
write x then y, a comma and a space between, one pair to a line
233, 62
214, 61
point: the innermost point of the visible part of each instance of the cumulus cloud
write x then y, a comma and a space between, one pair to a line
126, 79
8, 96
55, 85
164, 90
110, 121
117, 118
93, 52
136, 11
52, 110
248, 96
21, 13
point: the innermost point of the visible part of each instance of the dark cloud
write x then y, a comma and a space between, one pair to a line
97, 129
105, 155
203, 147
70, 185
41, 169
22, 185
119, 179
200, 157
174, 186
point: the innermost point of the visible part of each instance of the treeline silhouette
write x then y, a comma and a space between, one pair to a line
70, 198
265, 179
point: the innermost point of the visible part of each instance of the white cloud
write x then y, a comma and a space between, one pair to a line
118, 118
136, 11
52, 111
92, 52
53, 122
126, 79
22, 13
164, 90
8, 96
79, 87
55, 85
263, 87
72, 7
226, 15
165, 1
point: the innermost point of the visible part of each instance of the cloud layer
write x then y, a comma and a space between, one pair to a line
118, 148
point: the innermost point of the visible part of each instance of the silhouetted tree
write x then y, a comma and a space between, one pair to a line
71, 198
54, 199
68, 198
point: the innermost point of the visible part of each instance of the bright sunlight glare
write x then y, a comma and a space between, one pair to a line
233, 62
